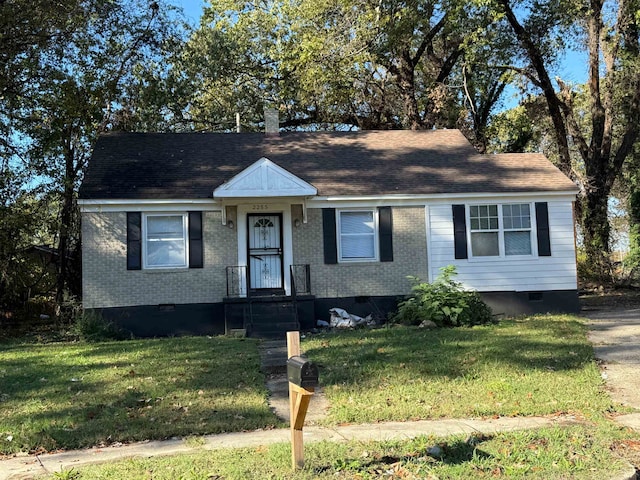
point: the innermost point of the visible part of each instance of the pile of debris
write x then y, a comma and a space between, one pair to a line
342, 319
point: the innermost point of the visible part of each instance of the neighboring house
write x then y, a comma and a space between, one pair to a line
204, 233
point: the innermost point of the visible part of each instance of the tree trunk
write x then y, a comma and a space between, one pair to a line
596, 229
405, 74
66, 217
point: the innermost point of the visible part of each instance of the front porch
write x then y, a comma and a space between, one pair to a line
268, 312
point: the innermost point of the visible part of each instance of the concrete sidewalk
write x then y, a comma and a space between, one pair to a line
28, 467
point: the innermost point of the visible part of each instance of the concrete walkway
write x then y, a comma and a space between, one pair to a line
614, 333
273, 359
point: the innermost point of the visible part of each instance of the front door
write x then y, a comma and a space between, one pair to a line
265, 252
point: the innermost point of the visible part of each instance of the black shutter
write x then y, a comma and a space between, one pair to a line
329, 235
542, 226
196, 257
459, 232
134, 241
385, 222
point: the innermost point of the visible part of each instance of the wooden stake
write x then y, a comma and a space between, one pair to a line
298, 404
303, 397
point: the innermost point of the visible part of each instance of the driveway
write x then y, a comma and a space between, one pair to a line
615, 334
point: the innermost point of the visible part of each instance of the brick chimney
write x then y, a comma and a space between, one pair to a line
271, 122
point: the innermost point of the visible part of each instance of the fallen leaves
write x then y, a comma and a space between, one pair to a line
631, 444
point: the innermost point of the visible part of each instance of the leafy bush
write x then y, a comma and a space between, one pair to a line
588, 274
444, 302
92, 327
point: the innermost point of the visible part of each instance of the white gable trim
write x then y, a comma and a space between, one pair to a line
402, 200
336, 201
264, 179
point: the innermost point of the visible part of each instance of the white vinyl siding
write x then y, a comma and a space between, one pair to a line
500, 230
357, 235
164, 241
512, 273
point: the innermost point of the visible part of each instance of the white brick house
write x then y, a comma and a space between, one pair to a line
195, 233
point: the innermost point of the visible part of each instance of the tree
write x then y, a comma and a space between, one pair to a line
248, 55
606, 140
332, 64
79, 78
26, 30
28, 222
513, 131
484, 79
632, 184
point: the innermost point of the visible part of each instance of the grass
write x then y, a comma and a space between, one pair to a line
70, 395
577, 452
73, 395
530, 366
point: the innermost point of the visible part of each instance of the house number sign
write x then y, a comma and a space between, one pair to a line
261, 207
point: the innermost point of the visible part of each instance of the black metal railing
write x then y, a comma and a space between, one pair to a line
300, 280
237, 281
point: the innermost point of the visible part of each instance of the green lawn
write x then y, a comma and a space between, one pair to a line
71, 395
578, 452
531, 366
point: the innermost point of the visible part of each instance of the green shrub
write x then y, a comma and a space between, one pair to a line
444, 302
587, 273
92, 327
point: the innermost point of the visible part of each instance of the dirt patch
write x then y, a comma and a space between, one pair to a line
630, 451
612, 299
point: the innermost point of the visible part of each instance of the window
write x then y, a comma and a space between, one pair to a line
500, 230
517, 229
484, 230
165, 241
357, 235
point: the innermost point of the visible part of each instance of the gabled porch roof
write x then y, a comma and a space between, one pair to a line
264, 179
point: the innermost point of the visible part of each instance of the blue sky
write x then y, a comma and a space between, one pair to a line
192, 9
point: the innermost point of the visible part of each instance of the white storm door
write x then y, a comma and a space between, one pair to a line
265, 251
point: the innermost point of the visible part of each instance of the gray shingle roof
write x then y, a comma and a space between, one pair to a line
192, 165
